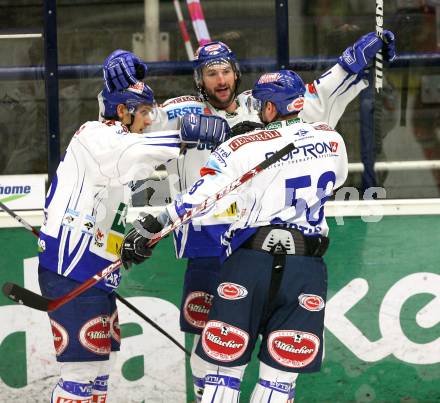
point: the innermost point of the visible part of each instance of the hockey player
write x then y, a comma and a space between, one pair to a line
217, 77
84, 226
273, 282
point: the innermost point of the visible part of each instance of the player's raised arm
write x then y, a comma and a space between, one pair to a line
328, 96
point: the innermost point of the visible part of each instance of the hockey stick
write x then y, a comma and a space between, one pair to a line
378, 82
121, 299
26, 297
379, 55
152, 323
19, 219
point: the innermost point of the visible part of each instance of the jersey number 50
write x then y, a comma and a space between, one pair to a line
323, 192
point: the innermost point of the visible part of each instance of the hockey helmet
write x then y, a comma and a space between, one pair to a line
284, 88
131, 97
210, 54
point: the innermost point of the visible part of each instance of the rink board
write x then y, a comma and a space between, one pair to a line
382, 341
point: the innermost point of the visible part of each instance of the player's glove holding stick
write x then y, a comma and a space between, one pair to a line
134, 247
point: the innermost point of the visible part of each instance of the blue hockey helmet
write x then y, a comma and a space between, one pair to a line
131, 97
210, 54
284, 88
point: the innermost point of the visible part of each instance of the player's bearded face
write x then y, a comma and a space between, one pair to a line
219, 81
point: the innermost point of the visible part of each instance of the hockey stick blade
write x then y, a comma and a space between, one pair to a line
36, 301
26, 297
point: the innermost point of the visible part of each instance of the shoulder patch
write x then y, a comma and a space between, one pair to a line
264, 135
274, 125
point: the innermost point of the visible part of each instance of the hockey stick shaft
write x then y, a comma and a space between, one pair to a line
36, 301
379, 55
29, 227
153, 324
19, 219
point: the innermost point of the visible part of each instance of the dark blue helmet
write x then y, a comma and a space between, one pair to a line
284, 88
131, 97
210, 54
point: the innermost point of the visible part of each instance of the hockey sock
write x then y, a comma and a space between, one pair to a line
99, 390
274, 386
70, 391
100, 385
198, 370
223, 385
76, 382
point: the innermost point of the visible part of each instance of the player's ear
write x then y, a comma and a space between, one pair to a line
120, 110
271, 111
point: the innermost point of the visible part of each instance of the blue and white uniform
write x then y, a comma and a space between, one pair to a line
325, 100
276, 196
273, 279
87, 201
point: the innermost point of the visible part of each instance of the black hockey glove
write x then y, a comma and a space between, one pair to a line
244, 127
134, 246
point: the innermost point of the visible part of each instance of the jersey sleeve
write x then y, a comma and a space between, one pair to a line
123, 157
342, 166
328, 96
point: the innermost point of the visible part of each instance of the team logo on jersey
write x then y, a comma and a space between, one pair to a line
196, 308
231, 211
311, 302
99, 236
231, 291
292, 348
88, 225
113, 279
69, 218
115, 329
290, 122
95, 335
312, 150
60, 337
301, 133
274, 125
221, 155
264, 135
334, 145
224, 342
174, 113
296, 104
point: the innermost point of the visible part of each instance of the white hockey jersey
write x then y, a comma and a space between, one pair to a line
325, 101
291, 192
87, 201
